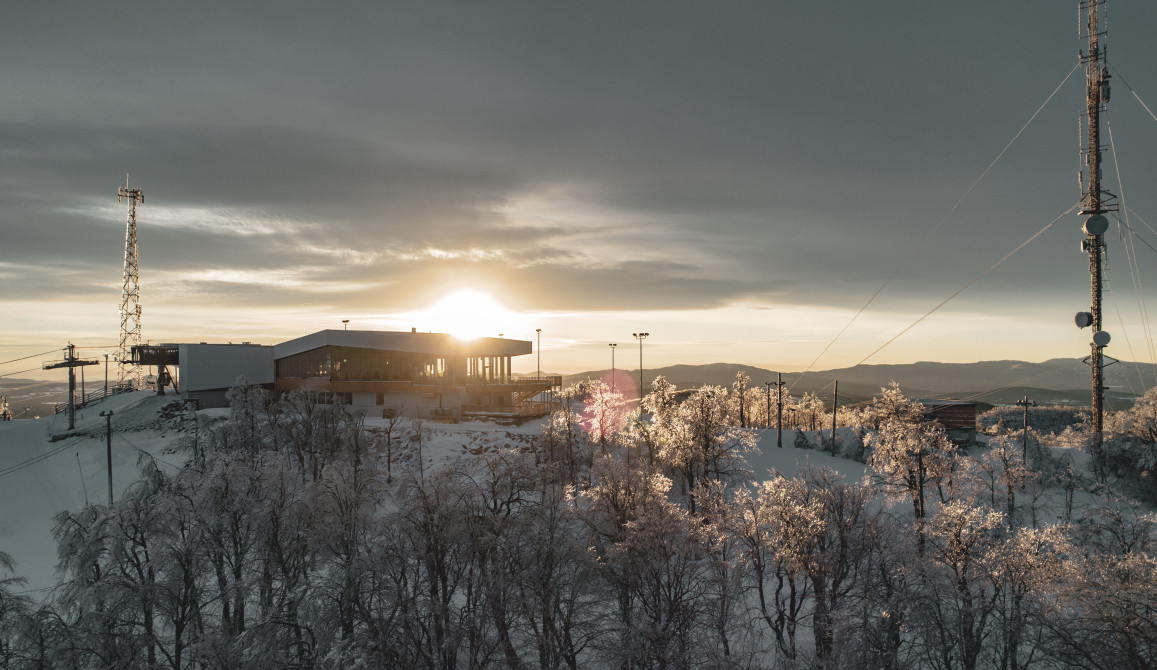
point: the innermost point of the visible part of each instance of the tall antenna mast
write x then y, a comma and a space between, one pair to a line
127, 373
1095, 202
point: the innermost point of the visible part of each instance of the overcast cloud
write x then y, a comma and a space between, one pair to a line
603, 156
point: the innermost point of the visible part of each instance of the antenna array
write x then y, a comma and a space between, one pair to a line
1095, 201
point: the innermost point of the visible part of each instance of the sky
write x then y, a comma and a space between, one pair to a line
737, 179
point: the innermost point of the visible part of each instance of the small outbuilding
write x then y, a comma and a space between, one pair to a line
957, 417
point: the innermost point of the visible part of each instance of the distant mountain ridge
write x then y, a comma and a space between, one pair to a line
1055, 381
1059, 381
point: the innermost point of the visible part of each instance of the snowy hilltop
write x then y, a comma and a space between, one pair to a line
675, 532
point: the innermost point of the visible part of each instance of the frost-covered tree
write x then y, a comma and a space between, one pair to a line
1000, 473
565, 440
605, 414
13, 609
618, 496
739, 393
909, 454
761, 522
1026, 566
815, 526
557, 589
1106, 598
134, 575
701, 446
1129, 451
958, 597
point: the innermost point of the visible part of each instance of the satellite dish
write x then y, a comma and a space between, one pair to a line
1084, 319
1101, 338
1096, 225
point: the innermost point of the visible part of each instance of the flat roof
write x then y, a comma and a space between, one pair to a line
438, 344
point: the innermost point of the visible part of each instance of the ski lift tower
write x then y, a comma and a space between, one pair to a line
1095, 201
128, 373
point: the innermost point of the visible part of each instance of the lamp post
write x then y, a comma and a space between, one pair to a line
106, 374
612, 345
640, 337
345, 324
538, 347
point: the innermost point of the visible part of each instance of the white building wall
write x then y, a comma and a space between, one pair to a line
218, 367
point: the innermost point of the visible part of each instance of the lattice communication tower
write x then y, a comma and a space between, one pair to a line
129, 374
1095, 200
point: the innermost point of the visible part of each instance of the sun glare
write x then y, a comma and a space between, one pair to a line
468, 314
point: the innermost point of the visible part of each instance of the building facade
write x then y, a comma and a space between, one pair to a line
427, 375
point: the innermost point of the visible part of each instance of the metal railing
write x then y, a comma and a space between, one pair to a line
89, 398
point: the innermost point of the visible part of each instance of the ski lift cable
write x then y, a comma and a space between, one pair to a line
17, 467
10, 374
152, 456
14, 360
969, 283
938, 226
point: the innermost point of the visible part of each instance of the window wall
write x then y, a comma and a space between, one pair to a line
354, 364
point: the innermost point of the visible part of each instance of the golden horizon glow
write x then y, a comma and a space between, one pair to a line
468, 314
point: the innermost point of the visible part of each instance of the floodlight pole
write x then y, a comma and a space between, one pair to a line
612, 345
640, 337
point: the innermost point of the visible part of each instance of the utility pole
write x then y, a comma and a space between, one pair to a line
640, 337
1024, 442
835, 398
106, 374
538, 349
779, 411
767, 422
71, 362
128, 373
108, 448
920, 474
1095, 203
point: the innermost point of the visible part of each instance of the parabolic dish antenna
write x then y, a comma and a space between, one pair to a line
1096, 225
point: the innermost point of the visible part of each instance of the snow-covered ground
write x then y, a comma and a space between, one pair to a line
45, 468
40, 477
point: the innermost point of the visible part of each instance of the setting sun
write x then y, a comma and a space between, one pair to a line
468, 314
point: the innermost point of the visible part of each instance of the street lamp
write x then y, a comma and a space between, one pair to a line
106, 374
345, 324
538, 347
640, 337
612, 345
